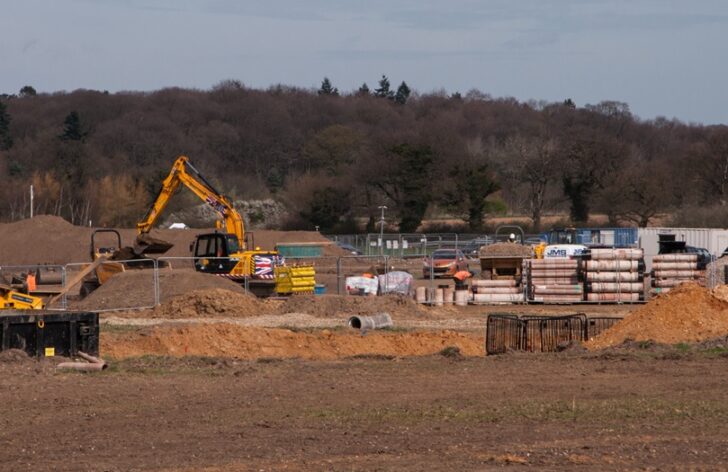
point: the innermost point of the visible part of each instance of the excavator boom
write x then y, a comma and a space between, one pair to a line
184, 173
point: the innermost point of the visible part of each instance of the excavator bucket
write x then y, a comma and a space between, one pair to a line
145, 244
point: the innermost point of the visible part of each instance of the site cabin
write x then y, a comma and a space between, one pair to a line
593, 237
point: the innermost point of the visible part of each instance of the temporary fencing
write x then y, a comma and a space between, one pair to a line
147, 271
506, 332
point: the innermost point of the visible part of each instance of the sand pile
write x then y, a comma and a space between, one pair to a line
505, 249
226, 340
340, 306
134, 288
688, 313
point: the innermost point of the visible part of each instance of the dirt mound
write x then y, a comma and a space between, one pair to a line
43, 239
505, 249
206, 303
14, 355
226, 340
47, 239
135, 288
688, 313
338, 306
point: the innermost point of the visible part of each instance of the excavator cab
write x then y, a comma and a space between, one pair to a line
213, 253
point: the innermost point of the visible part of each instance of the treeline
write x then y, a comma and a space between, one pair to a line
333, 158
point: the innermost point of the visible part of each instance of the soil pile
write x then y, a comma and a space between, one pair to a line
226, 340
135, 288
688, 313
47, 239
43, 239
205, 303
505, 249
343, 306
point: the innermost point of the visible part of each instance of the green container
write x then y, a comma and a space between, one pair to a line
299, 250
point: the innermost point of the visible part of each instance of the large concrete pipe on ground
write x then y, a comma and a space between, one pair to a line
377, 321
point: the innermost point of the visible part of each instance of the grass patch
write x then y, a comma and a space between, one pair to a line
452, 352
371, 357
683, 347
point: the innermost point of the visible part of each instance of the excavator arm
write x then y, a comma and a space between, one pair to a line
184, 173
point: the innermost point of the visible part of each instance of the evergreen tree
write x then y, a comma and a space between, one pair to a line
383, 91
327, 88
363, 90
6, 141
403, 93
72, 129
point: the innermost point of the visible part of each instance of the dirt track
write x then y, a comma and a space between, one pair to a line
547, 412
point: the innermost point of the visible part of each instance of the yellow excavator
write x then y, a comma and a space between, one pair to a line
227, 252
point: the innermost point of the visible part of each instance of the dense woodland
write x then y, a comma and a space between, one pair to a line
333, 158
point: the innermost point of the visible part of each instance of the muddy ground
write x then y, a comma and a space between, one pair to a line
615, 410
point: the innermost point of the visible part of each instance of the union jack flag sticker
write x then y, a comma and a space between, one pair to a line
263, 267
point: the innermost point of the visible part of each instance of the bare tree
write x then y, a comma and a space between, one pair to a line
531, 163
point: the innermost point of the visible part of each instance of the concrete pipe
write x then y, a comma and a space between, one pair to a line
376, 321
609, 287
612, 265
494, 283
461, 297
83, 366
679, 274
439, 296
612, 276
675, 258
558, 298
554, 280
558, 289
613, 297
498, 297
674, 266
548, 273
421, 294
448, 295
494, 290
603, 254
554, 263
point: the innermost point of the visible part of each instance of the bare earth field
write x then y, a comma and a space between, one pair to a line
646, 410
213, 379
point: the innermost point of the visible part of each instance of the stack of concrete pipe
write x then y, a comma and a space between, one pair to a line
497, 291
614, 275
555, 280
670, 270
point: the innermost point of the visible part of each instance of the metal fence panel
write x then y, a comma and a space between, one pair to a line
503, 333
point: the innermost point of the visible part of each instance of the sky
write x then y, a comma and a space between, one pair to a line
663, 57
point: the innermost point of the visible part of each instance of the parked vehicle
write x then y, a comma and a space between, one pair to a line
349, 248
444, 263
472, 247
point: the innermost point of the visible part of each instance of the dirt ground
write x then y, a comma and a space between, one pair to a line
608, 411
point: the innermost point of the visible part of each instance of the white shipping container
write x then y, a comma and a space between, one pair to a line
715, 240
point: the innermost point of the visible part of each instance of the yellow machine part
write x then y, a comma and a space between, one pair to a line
107, 270
19, 301
295, 279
